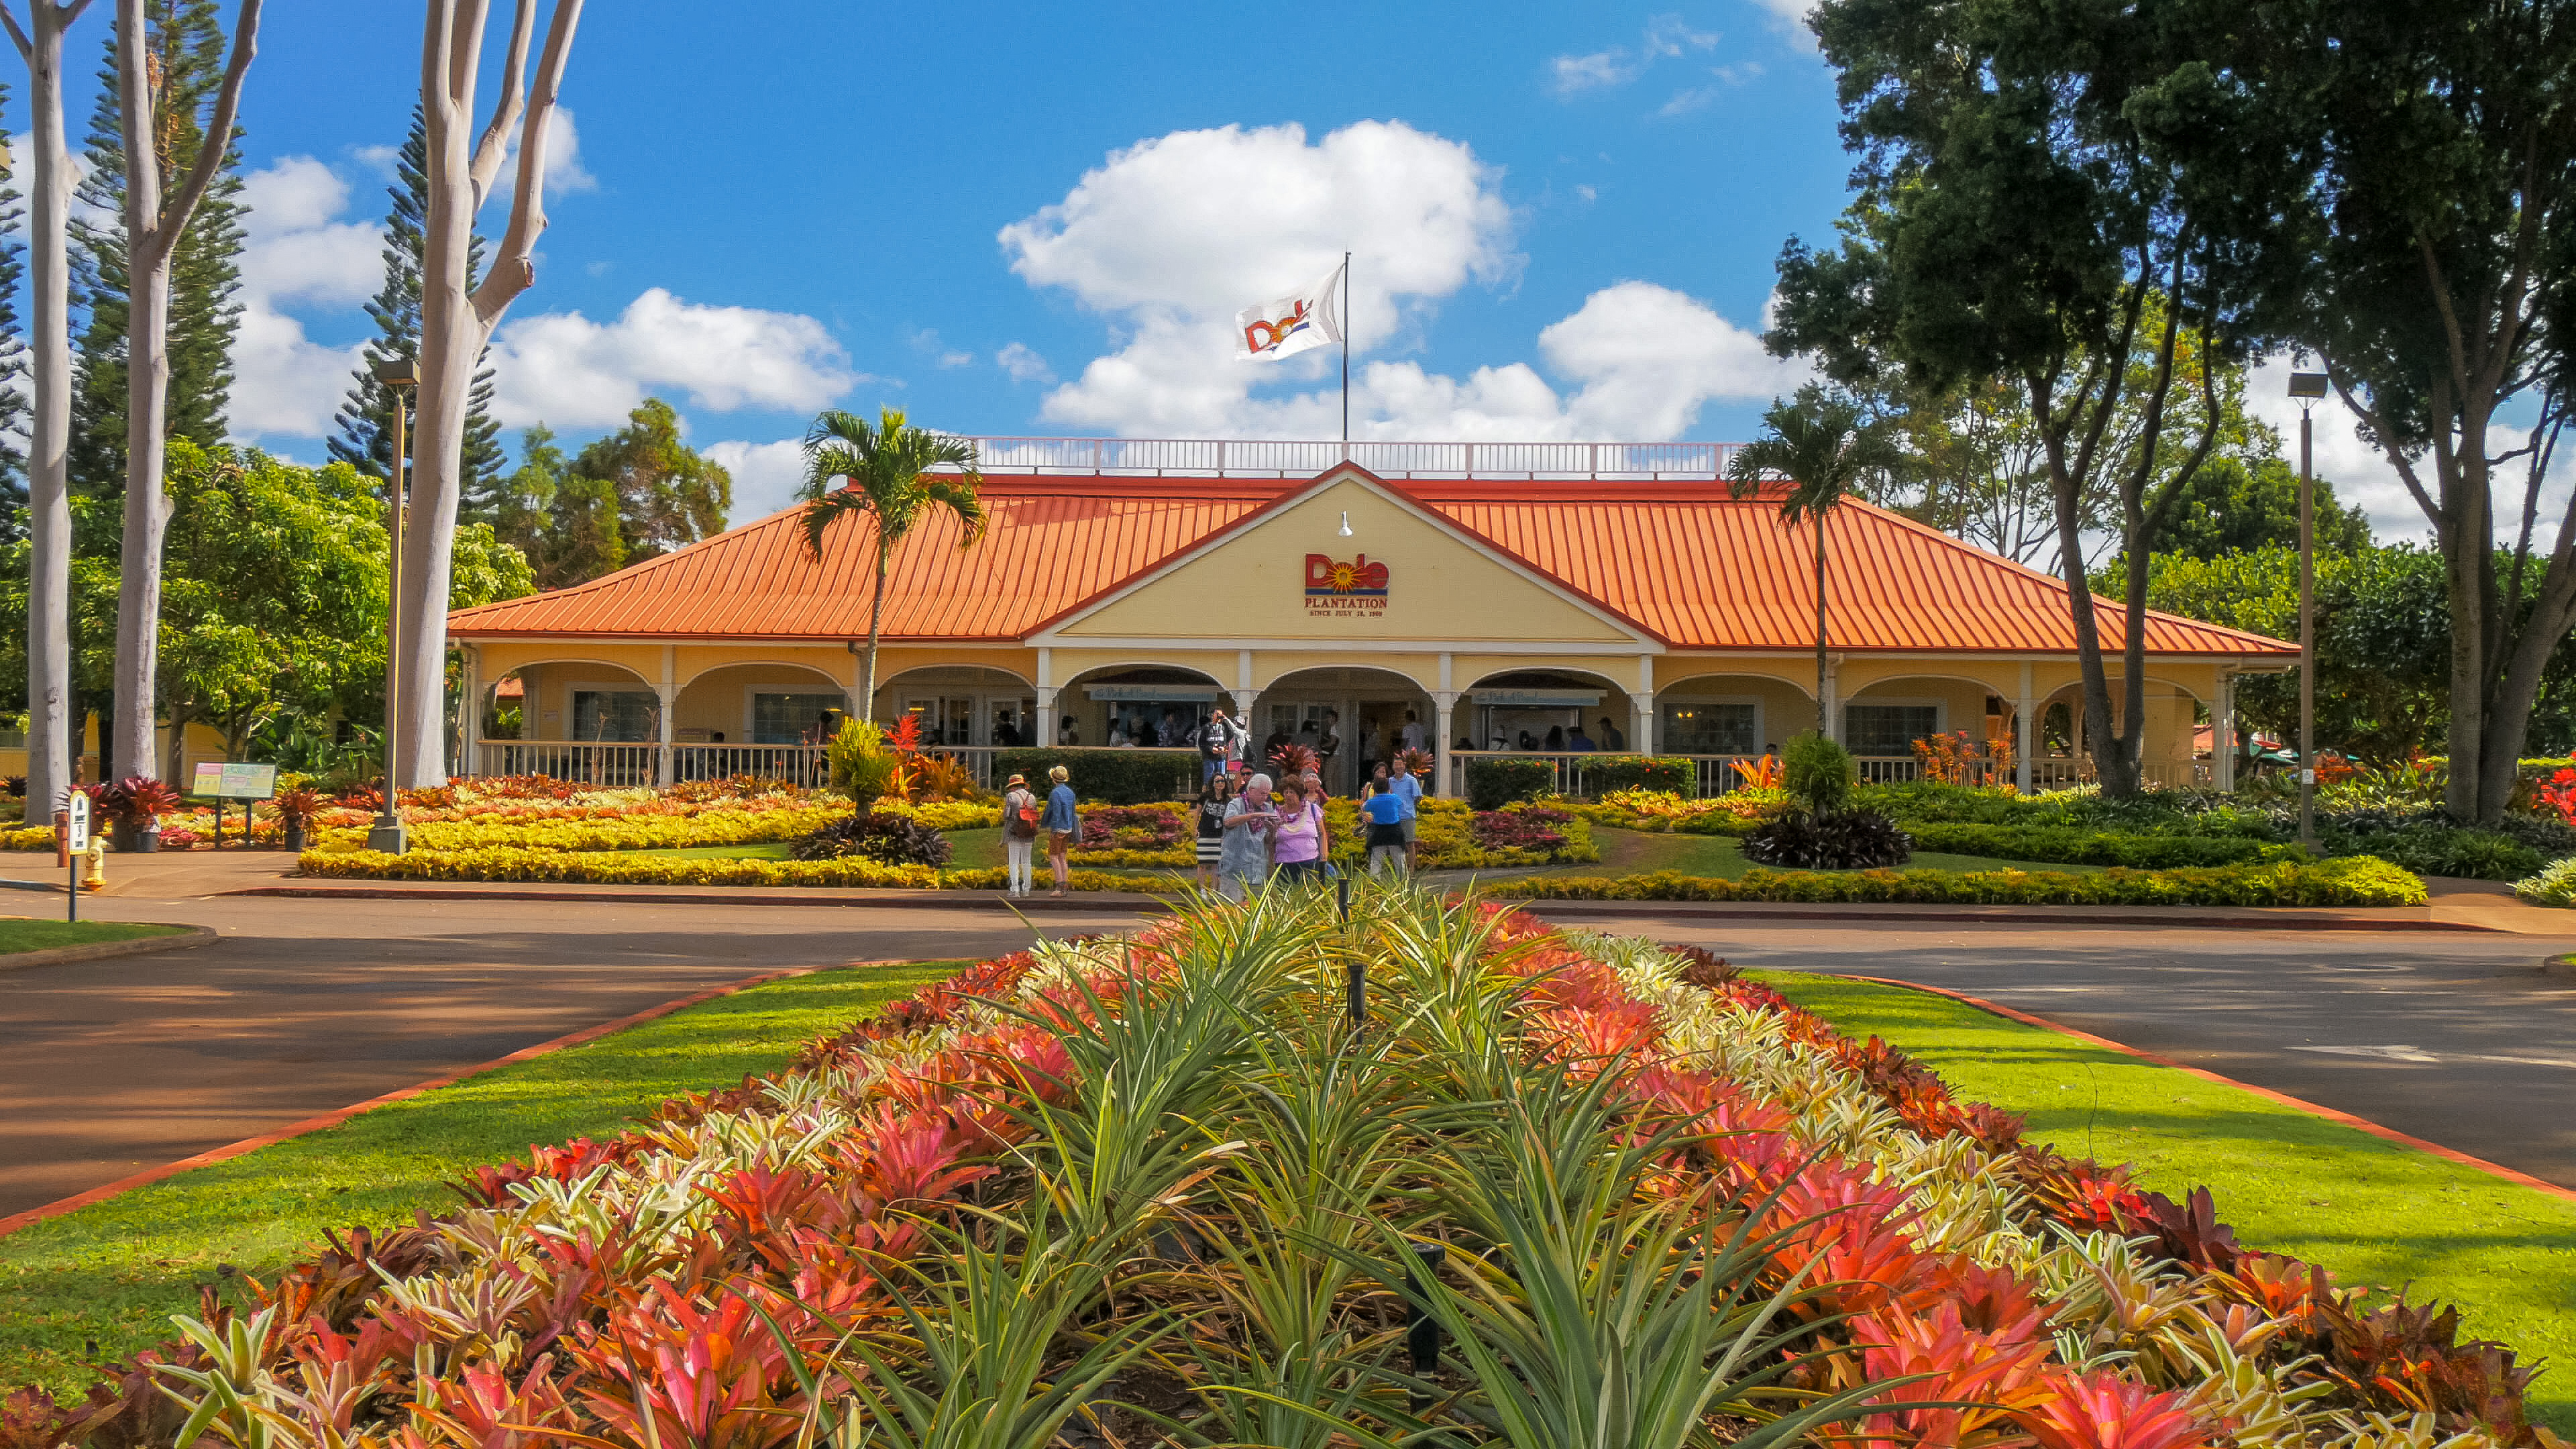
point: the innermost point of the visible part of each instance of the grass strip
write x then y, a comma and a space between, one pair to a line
24, 934
1643, 852
2374, 1212
112, 1273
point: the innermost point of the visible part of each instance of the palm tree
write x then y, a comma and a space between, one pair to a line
1819, 443
888, 467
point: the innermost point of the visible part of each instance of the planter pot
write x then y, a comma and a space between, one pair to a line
145, 841
295, 839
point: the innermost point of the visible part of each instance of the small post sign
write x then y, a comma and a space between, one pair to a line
76, 835
224, 780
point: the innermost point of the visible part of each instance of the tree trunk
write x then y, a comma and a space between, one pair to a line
1824, 724
457, 322
152, 233
876, 620
52, 750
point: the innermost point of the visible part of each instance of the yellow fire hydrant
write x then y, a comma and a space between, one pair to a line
94, 871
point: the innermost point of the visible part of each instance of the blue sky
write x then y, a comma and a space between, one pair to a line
1038, 219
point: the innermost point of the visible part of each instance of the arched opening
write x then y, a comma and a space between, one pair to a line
962, 706
1135, 706
571, 719
1567, 716
1353, 716
1721, 720
770, 720
1882, 722
2178, 745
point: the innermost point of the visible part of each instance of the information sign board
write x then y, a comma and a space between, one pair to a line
226, 781
79, 822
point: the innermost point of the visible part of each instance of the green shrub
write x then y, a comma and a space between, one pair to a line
1605, 773
2440, 850
888, 839
2555, 885
861, 764
1495, 783
1832, 840
1924, 801
1818, 771
1114, 777
2067, 845
2353, 881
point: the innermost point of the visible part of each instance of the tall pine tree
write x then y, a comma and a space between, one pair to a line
366, 419
14, 412
188, 61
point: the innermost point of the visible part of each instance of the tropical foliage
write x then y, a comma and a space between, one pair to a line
1562, 1192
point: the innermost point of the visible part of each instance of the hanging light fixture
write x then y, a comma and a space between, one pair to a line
1346, 523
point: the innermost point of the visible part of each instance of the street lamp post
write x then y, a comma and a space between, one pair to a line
2307, 387
387, 834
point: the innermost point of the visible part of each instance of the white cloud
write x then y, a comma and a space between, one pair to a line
1023, 363
565, 175
927, 340
1174, 235
1667, 37
570, 372
765, 475
297, 251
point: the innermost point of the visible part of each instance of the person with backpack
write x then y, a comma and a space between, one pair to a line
1385, 815
1216, 745
1019, 832
1061, 823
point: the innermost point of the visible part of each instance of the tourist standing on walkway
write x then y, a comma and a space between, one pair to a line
1215, 740
1408, 792
1385, 815
1061, 823
1215, 793
1249, 819
1299, 848
1019, 832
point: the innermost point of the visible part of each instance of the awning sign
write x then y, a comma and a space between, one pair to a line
1537, 698
1151, 693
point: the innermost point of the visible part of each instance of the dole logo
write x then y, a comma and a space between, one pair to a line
1359, 578
1263, 335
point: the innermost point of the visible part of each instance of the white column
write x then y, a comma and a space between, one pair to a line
668, 691
1833, 698
1046, 714
471, 764
2222, 734
1641, 731
2025, 730
1442, 702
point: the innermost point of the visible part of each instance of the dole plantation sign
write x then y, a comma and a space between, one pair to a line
1337, 590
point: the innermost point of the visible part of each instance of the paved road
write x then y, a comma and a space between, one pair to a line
2457, 1039
108, 1067
307, 1005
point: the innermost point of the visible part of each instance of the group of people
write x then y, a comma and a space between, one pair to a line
1253, 829
1561, 741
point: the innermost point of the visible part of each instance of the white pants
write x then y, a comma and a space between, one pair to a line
1016, 853
1389, 858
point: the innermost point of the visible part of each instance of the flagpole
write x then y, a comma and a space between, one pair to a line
1346, 357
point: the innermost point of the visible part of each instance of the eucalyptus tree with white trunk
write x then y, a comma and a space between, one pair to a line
50, 749
458, 314
152, 230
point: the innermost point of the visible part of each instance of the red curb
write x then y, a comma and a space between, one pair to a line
148, 1176
2391, 1134
926, 900
1971, 915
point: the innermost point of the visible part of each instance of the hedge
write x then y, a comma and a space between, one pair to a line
1115, 777
597, 869
1605, 773
2066, 845
1495, 783
2352, 881
2554, 885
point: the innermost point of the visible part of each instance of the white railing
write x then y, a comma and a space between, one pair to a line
1282, 458
603, 765
801, 764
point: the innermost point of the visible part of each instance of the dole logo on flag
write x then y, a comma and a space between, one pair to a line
1292, 324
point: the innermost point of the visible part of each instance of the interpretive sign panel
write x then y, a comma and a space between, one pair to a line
223, 780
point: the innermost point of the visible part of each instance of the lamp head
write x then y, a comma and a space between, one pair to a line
2308, 386
1346, 525
398, 372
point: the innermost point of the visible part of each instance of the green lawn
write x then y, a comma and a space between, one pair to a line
23, 934
2372, 1211
113, 1272
1642, 852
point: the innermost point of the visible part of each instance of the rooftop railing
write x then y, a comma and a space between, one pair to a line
1278, 458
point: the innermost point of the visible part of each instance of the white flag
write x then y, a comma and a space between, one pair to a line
1292, 324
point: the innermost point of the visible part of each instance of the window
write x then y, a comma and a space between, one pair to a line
788, 719
1888, 729
1712, 729
613, 715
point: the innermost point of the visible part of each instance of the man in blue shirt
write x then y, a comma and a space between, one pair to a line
1408, 793
1384, 810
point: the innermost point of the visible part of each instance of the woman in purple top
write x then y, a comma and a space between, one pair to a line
1298, 849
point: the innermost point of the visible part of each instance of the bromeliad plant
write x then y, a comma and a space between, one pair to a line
1563, 1190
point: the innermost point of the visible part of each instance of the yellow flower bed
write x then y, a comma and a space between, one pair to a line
27, 837
945, 814
2353, 880
641, 832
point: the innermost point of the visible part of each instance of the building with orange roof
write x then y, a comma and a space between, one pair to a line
1491, 597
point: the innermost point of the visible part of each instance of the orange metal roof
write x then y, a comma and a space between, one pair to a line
1692, 566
